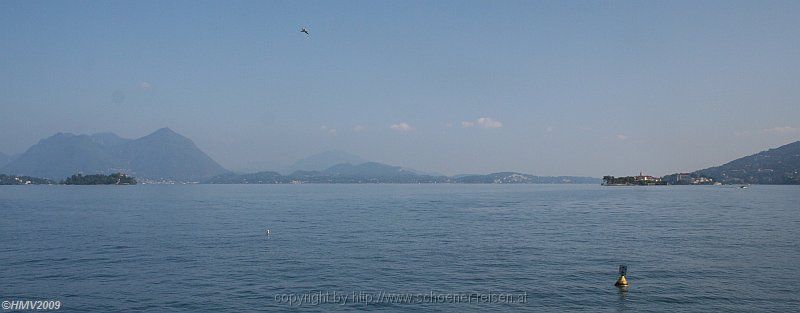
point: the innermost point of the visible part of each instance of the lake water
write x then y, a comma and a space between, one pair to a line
204, 247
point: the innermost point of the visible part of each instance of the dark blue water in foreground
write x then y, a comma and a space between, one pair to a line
203, 247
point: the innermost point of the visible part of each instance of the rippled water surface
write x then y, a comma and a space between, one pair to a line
204, 247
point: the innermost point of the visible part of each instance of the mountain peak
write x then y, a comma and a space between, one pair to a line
165, 134
60, 135
161, 155
165, 131
324, 160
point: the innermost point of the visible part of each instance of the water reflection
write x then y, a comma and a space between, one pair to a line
621, 302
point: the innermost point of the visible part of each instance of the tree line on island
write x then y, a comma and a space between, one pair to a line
77, 179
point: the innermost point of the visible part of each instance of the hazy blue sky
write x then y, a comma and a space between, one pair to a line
560, 87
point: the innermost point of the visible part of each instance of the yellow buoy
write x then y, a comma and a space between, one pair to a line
622, 281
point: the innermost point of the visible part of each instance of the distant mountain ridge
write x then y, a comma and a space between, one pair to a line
520, 178
323, 160
774, 166
162, 155
166, 155
374, 172
367, 172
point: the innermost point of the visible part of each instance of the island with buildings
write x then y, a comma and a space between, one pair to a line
100, 179
639, 180
647, 180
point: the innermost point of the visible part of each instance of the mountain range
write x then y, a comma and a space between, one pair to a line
367, 172
162, 155
323, 160
374, 172
520, 178
166, 155
774, 166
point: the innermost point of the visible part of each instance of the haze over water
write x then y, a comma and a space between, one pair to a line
204, 247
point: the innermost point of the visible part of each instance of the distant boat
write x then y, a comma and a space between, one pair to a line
743, 187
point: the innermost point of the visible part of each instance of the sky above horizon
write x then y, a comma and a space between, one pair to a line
541, 87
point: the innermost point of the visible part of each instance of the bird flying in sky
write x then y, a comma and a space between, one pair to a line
304, 30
